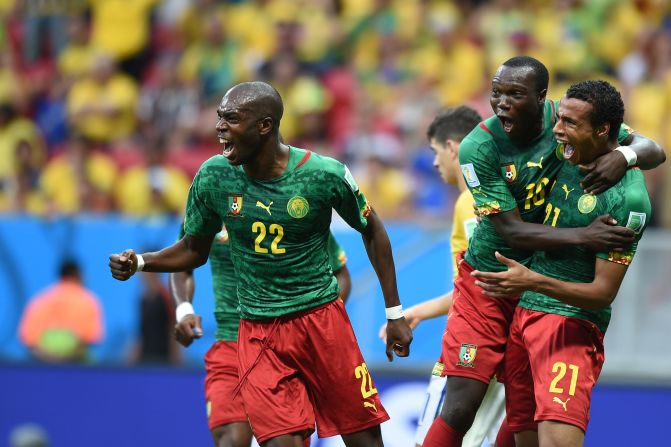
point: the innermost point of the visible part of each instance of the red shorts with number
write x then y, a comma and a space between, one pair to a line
552, 364
474, 340
221, 367
304, 367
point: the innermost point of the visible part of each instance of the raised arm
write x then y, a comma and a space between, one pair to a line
600, 235
378, 248
594, 295
188, 253
608, 169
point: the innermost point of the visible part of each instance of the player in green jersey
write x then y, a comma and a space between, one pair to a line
555, 350
298, 357
510, 162
226, 416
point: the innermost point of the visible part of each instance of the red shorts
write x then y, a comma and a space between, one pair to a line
474, 340
303, 367
221, 367
552, 364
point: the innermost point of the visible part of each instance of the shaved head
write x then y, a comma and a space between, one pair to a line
259, 98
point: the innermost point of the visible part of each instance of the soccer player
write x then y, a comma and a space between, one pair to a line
510, 162
298, 358
555, 350
226, 415
445, 134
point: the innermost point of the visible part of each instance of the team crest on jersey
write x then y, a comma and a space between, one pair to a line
298, 207
586, 203
509, 172
467, 355
234, 204
636, 221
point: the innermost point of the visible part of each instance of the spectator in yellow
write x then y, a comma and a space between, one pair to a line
121, 28
13, 130
79, 179
101, 106
78, 56
153, 188
20, 191
61, 323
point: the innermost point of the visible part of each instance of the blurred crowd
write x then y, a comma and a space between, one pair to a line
109, 105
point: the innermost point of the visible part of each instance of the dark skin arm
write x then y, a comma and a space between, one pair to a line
186, 254
600, 235
344, 282
182, 288
608, 169
378, 248
594, 295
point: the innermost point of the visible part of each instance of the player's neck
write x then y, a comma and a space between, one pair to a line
270, 163
609, 146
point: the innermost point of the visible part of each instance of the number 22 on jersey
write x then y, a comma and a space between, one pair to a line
273, 229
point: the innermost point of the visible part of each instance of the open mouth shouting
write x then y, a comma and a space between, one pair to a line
228, 146
506, 122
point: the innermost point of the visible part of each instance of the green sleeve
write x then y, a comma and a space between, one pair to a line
632, 209
479, 166
349, 201
337, 256
200, 218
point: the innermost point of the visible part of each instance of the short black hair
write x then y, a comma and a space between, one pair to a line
606, 101
454, 123
69, 268
540, 70
265, 99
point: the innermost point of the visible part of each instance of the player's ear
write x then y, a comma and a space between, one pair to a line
602, 130
265, 125
541, 96
453, 147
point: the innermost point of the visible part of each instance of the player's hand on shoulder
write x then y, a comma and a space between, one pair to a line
188, 329
399, 337
603, 172
123, 265
603, 234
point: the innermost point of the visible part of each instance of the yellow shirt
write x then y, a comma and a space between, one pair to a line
462, 226
120, 27
119, 92
19, 129
133, 191
76, 60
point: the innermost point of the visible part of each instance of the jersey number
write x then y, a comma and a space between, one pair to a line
536, 193
548, 211
560, 369
367, 388
277, 230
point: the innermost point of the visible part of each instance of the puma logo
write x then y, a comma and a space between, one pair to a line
566, 190
533, 164
367, 404
560, 402
267, 208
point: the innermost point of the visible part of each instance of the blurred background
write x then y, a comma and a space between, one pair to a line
108, 107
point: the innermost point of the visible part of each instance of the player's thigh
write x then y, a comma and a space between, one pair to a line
235, 434
221, 380
519, 382
345, 397
558, 434
566, 360
474, 341
435, 395
274, 395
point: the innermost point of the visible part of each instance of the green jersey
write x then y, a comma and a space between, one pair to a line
278, 229
567, 206
503, 176
224, 283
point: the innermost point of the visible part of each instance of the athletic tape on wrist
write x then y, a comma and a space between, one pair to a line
140, 263
183, 310
629, 154
394, 313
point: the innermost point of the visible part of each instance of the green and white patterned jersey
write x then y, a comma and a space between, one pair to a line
224, 283
568, 207
503, 176
278, 229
